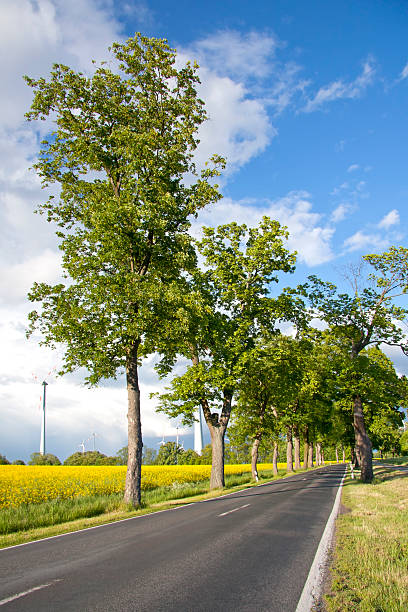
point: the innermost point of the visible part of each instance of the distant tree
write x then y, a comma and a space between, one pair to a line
18, 462
206, 455
189, 457
47, 459
149, 456
237, 451
4, 460
169, 454
121, 155
122, 455
369, 315
90, 458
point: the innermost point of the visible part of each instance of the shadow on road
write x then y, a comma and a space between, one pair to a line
332, 481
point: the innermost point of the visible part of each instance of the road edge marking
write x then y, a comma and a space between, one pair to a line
24, 593
314, 581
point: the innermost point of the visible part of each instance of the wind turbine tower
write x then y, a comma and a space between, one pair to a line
42, 442
198, 432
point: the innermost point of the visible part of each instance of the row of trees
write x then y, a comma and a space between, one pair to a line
122, 156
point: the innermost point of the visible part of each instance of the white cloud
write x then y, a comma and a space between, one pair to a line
353, 168
352, 190
361, 240
340, 89
238, 127
236, 54
35, 34
404, 72
340, 212
392, 218
308, 235
16, 279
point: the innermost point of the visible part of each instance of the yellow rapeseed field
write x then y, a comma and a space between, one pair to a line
21, 484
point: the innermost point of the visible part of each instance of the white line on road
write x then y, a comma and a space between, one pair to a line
314, 582
24, 593
234, 510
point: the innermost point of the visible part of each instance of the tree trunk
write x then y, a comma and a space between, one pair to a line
306, 448
322, 455
363, 442
297, 447
358, 458
354, 459
217, 480
318, 457
310, 459
275, 458
337, 455
256, 443
135, 443
218, 426
289, 451
254, 458
344, 454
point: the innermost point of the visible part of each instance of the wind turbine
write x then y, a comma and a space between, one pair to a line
92, 436
82, 445
42, 442
162, 442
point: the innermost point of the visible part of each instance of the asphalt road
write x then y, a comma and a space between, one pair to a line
249, 551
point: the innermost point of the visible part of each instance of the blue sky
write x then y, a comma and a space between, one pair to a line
307, 100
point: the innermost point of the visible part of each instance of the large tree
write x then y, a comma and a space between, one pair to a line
369, 315
121, 153
230, 307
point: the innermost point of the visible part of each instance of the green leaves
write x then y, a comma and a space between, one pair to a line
122, 145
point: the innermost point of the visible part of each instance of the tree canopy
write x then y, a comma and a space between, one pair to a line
121, 153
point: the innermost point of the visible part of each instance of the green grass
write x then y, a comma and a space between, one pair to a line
370, 566
395, 461
35, 521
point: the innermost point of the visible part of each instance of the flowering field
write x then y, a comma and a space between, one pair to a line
21, 484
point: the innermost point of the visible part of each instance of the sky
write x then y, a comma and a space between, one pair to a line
306, 100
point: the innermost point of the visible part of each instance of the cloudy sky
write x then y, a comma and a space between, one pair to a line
307, 100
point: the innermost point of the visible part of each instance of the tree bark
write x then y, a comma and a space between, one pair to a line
337, 455
310, 459
354, 459
318, 457
363, 442
322, 455
254, 458
218, 426
297, 448
344, 453
256, 443
306, 448
275, 458
289, 451
217, 480
135, 443
364, 448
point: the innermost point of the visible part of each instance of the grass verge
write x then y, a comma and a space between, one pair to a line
370, 565
36, 521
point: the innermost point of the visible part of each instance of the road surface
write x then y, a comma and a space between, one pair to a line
249, 551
